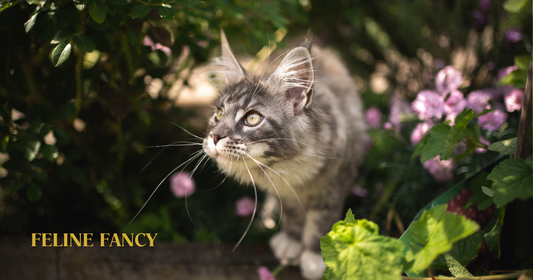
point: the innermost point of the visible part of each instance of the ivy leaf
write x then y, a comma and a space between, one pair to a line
436, 143
461, 121
463, 251
140, 11
456, 269
167, 12
84, 43
61, 53
354, 250
62, 36
492, 238
505, 147
33, 150
434, 234
28, 25
480, 198
97, 10
511, 179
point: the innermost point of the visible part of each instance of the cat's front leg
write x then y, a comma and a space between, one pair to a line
287, 245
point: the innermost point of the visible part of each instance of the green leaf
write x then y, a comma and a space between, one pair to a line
80, 4
61, 53
354, 250
456, 269
505, 147
84, 43
488, 192
464, 251
139, 11
493, 237
511, 180
350, 218
6, 5
4, 141
522, 61
50, 152
33, 192
480, 197
97, 10
461, 121
167, 12
420, 146
436, 143
517, 79
434, 234
33, 150
62, 36
28, 25
514, 6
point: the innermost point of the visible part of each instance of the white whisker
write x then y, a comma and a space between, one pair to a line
255, 207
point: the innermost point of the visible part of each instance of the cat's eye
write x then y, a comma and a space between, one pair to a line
253, 119
219, 114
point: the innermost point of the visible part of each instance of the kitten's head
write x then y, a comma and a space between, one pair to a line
262, 120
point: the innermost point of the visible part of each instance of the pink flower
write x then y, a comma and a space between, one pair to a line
448, 79
244, 206
428, 104
388, 126
438, 63
454, 105
358, 191
148, 42
264, 274
373, 117
492, 120
514, 100
419, 131
181, 184
477, 100
398, 109
502, 73
480, 150
441, 170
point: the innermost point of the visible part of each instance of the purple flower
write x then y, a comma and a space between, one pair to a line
480, 18
454, 105
441, 170
480, 150
477, 100
448, 79
502, 73
181, 184
514, 100
264, 274
492, 120
358, 191
419, 132
513, 35
373, 117
244, 206
428, 104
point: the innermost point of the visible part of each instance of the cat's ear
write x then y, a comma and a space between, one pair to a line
232, 69
294, 78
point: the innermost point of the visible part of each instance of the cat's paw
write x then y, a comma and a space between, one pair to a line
286, 249
312, 265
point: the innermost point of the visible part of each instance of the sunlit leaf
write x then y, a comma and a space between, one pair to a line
33, 150
61, 53
505, 147
62, 36
511, 180
167, 12
456, 269
28, 25
514, 6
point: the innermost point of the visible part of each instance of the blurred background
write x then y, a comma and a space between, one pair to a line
90, 91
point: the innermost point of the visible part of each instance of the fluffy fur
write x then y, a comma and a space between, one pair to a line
305, 150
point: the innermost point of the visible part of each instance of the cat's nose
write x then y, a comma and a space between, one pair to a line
216, 138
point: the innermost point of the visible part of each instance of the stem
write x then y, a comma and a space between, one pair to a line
431, 274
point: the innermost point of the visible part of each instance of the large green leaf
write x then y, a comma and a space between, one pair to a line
354, 250
511, 180
505, 147
434, 234
61, 53
84, 43
436, 143
461, 121
97, 10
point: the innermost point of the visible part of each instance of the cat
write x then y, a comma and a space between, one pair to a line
299, 135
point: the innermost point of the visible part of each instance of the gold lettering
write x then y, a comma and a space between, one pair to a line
151, 239
87, 237
130, 241
65, 239
103, 238
55, 241
76, 240
116, 240
137, 240
46, 238
34, 238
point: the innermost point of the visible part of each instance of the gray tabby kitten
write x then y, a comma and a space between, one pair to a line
298, 135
